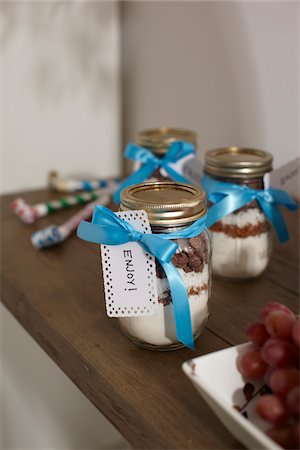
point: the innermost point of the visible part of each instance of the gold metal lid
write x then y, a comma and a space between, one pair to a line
159, 139
236, 162
166, 202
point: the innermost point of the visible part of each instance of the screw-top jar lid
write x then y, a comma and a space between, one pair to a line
159, 139
166, 203
236, 162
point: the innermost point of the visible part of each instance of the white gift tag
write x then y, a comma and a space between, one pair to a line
285, 177
129, 273
178, 165
193, 170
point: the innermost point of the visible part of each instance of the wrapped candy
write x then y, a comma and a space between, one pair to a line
55, 234
30, 213
73, 185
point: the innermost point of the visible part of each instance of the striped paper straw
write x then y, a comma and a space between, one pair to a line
30, 213
72, 185
55, 234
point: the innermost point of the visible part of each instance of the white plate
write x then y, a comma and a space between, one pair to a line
221, 385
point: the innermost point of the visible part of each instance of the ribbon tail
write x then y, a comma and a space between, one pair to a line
181, 305
226, 206
274, 215
137, 177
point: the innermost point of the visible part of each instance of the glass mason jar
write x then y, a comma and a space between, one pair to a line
158, 141
241, 241
170, 207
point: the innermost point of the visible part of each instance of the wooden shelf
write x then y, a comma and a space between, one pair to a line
57, 295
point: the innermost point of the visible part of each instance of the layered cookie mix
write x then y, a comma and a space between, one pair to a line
192, 262
241, 243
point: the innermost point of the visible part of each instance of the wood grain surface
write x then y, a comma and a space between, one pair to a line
57, 295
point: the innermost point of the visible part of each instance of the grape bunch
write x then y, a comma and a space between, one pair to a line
274, 358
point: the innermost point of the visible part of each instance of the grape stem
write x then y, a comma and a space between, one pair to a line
259, 391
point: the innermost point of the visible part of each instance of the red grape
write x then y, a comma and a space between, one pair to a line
283, 435
296, 332
279, 353
269, 307
283, 380
279, 324
251, 365
257, 333
272, 408
293, 401
274, 358
296, 434
268, 374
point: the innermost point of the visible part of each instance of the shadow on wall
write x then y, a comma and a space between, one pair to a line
69, 41
197, 71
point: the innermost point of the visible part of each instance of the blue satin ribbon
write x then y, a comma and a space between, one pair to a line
108, 229
228, 197
149, 163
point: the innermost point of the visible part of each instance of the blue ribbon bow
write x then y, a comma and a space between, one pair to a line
149, 163
108, 229
228, 197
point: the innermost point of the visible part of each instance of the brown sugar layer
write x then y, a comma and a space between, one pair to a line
241, 232
192, 256
195, 290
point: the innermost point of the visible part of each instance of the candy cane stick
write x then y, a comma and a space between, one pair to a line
70, 185
54, 234
30, 213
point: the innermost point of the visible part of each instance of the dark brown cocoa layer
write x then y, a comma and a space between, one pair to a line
192, 257
256, 183
241, 232
193, 291
156, 174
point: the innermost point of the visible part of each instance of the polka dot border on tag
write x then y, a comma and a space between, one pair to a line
112, 307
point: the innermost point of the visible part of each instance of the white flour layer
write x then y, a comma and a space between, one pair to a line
191, 280
239, 257
160, 329
251, 216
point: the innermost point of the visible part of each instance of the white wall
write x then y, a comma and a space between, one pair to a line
227, 70
60, 109
59, 90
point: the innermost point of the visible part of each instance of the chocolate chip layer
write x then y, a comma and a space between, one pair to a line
192, 259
